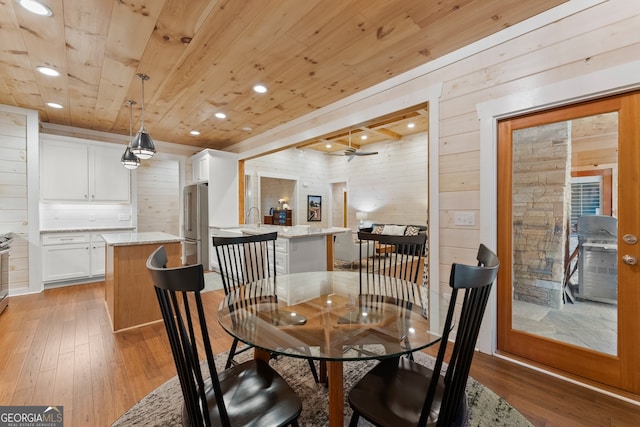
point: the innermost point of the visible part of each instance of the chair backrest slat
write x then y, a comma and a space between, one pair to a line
475, 282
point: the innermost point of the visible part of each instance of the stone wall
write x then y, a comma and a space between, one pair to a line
541, 208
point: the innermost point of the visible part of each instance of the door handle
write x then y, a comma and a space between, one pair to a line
629, 259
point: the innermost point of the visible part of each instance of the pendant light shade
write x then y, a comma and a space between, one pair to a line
129, 160
142, 145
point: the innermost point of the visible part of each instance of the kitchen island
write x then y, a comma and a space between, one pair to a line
129, 294
298, 248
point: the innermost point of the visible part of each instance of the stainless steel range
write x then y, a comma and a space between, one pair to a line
5, 246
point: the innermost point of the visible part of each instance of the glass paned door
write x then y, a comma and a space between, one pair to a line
566, 290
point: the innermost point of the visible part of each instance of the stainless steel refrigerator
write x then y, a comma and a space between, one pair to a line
196, 225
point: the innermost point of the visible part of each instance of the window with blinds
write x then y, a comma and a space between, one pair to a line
586, 197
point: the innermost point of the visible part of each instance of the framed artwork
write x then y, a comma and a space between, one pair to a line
314, 208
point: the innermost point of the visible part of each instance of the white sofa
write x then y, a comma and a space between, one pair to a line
347, 250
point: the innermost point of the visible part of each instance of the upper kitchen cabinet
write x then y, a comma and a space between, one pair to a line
200, 167
78, 170
219, 169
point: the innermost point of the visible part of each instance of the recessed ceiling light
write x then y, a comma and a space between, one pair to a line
260, 89
221, 115
48, 71
411, 125
363, 137
247, 129
328, 145
36, 6
54, 105
194, 133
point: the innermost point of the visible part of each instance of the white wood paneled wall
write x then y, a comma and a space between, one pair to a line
597, 38
309, 169
391, 186
158, 185
14, 194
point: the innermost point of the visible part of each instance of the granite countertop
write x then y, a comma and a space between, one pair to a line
294, 232
86, 229
127, 239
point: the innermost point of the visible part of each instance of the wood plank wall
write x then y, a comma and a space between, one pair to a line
603, 36
158, 196
13, 194
391, 186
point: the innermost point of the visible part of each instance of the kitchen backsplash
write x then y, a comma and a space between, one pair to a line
54, 216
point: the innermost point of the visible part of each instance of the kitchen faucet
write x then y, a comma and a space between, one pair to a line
249, 214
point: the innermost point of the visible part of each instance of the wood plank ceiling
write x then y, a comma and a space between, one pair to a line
204, 56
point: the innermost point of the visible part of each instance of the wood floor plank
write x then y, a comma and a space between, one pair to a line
83, 403
63, 382
43, 388
59, 345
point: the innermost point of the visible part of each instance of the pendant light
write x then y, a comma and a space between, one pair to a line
142, 146
129, 160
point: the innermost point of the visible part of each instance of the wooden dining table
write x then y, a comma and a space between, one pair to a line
329, 316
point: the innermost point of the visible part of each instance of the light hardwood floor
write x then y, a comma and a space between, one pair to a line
57, 348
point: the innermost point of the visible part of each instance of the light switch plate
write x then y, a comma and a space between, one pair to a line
464, 218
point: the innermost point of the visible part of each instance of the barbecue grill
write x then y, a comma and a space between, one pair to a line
598, 258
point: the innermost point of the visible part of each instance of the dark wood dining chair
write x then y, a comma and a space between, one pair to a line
251, 393
400, 392
244, 259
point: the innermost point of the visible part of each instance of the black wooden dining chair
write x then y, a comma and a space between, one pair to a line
396, 256
397, 260
400, 392
245, 259
251, 393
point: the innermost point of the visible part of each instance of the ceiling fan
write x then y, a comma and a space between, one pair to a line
352, 152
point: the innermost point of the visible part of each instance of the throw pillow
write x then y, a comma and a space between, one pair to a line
411, 230
377, 229
394, 230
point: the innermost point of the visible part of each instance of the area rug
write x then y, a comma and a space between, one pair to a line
339, 265
163, 406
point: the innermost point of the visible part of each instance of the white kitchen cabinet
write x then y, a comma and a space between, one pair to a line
64, 171
66, 256
97, 255
200, 167
298, 255
72, 256
82, 171
220, 170
282, 256
109, 181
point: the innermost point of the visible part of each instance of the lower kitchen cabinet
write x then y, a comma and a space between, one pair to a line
65, 262
66, 256
72, 257
97, 255
301, 254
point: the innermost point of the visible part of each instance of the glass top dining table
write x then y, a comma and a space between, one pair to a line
331, 316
